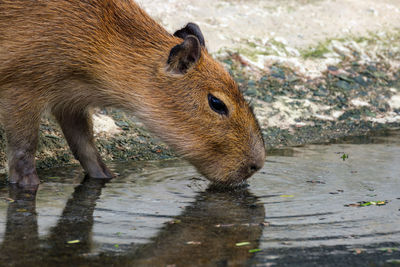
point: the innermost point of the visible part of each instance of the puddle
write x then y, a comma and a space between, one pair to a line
300, 209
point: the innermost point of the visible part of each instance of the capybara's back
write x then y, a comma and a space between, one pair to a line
70, 56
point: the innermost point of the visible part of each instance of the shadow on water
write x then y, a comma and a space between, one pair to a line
204, 233
386, 136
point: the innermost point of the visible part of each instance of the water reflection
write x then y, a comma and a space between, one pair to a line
158, 214
207, 232
204, 233
76, 221
21, 235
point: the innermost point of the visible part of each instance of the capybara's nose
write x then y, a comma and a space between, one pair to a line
255, 167
256, 163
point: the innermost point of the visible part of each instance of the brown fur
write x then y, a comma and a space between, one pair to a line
69, 56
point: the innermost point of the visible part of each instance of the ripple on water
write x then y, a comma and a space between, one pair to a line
154, 209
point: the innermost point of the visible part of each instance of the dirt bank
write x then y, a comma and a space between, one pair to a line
299, 23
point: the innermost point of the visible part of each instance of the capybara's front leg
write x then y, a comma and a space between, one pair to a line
22, 127
78, 130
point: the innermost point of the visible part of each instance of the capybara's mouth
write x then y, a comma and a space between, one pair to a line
221, 186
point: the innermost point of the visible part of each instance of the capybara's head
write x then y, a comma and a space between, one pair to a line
206, 116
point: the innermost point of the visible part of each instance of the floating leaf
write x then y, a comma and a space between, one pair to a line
175, 222
389, 250
373, 203
352, 205
74, 241
193, 243
265, 224
336, 192
254, 250
241, 244
394, 261
315, 182
286, 195
9, 200
224, 225
367, 203
116, 246
22, 210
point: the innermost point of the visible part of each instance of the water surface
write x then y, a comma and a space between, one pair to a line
302, 208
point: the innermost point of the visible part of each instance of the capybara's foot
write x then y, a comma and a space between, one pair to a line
100, 172
25, 181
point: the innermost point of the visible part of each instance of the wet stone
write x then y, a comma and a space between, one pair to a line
371, 68
332, 68
345, 78
341, 99
268, 98
321, 91
228, 61
252, 92
240, 80
122, 124
355, 86
369, 113
277, 73
343, 85
264, 79
251, 84
355, 114
379, 74
292, 79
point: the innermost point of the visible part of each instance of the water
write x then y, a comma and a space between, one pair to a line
295, 210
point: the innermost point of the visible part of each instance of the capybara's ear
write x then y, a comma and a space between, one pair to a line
191, 29
184, 56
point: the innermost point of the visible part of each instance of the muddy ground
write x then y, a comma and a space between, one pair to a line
313, 70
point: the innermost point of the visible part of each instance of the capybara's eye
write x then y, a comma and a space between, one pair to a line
217, 105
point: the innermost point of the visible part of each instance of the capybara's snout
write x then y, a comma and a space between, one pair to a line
251, 164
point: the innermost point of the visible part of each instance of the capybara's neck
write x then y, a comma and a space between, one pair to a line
129, 51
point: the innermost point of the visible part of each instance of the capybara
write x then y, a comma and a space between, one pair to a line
68, 56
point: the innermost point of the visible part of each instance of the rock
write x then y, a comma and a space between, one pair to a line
321, 91
394, 102
252, 92
268, 98
371, 68
332, 68
353, 113
360, 80
343, 85
277, 73
104, 124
